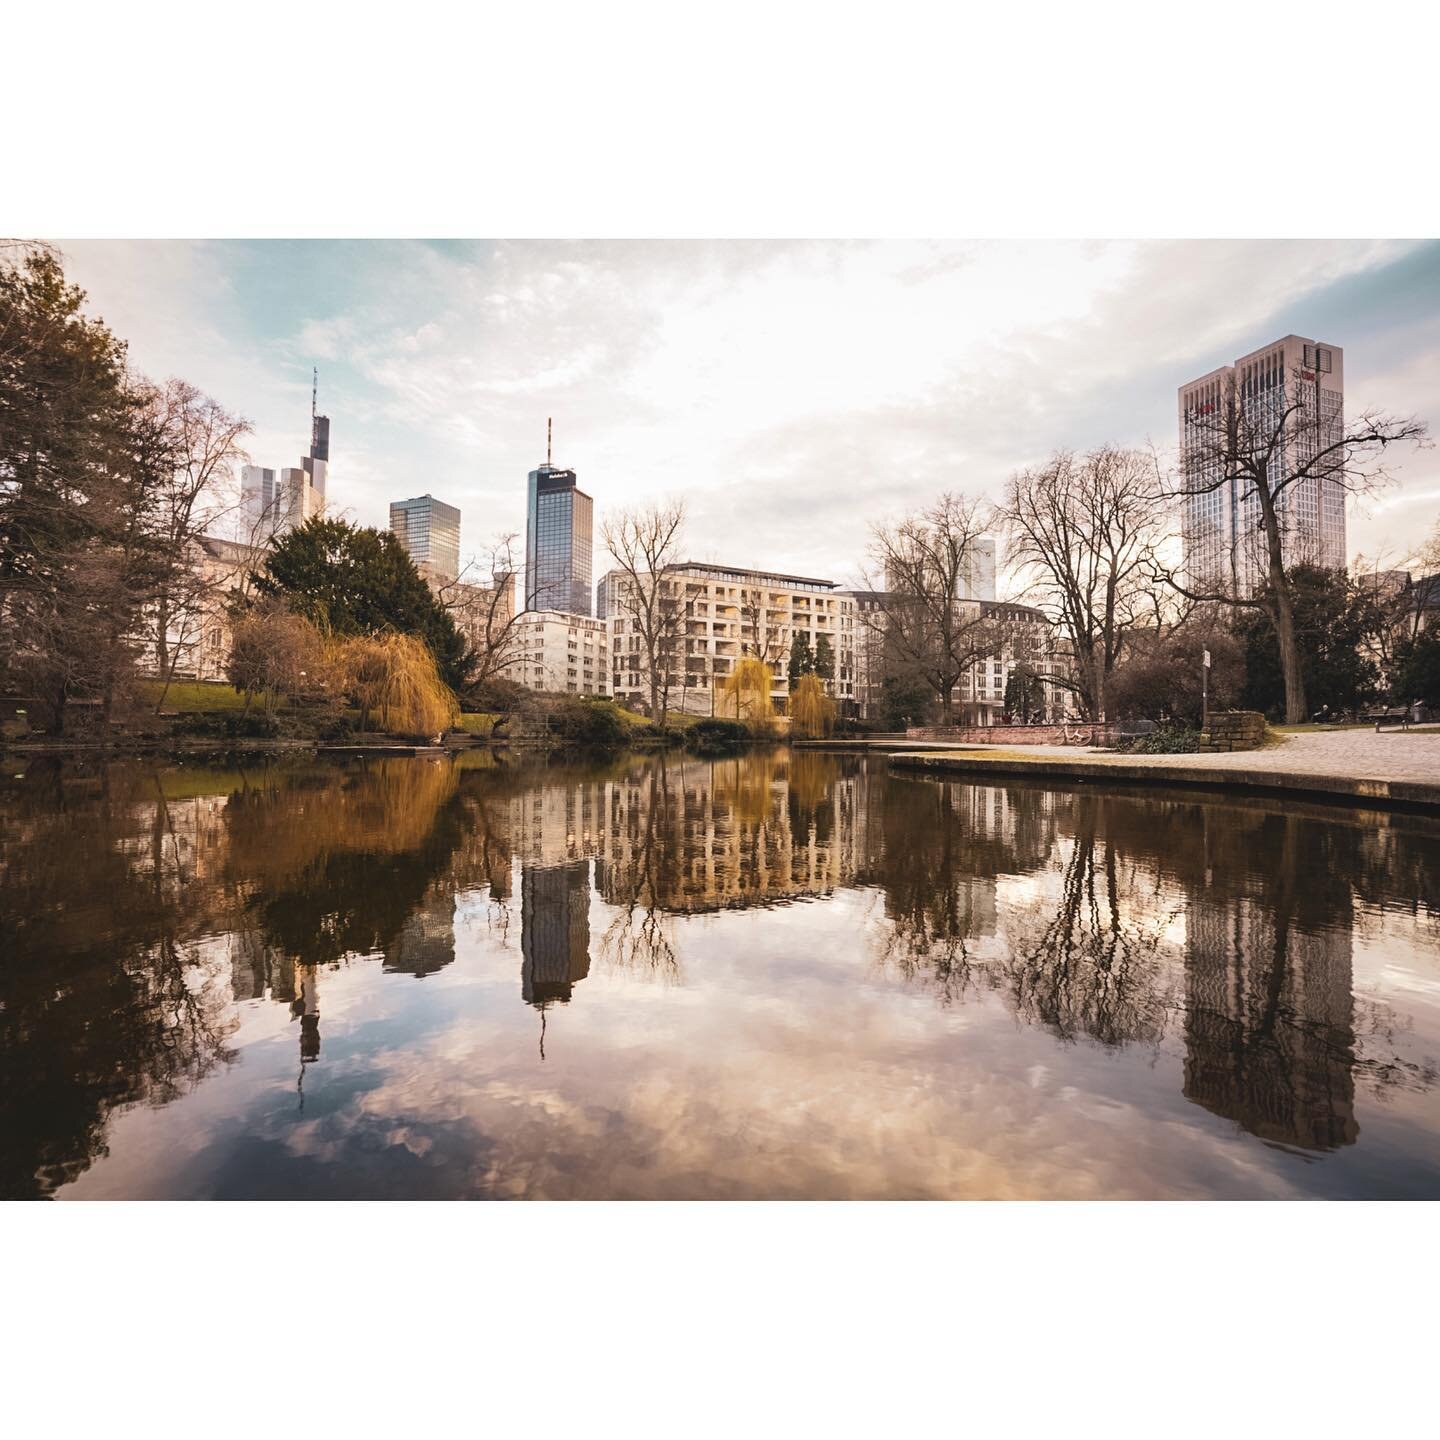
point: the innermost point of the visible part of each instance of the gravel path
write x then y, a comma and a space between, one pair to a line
1358, 754
1356, 765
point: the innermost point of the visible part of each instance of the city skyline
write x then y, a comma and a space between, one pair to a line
756, 371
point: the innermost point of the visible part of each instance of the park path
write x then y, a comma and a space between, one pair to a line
1411, 755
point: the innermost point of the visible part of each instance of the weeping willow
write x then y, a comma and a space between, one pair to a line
394, 680
812, 711
747, 687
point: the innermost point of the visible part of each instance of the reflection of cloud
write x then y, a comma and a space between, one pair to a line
732, 1088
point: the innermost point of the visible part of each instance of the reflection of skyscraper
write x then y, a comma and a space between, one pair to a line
1269, 1028
306, 1008
426, 942
252, 964
555, 931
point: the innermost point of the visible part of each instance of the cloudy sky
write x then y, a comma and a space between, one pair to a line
791, 393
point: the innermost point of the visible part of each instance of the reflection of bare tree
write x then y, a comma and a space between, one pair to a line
1228, 914
110, 992
942, 847
636, 940
1091, 965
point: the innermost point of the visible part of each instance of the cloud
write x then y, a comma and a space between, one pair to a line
792, 392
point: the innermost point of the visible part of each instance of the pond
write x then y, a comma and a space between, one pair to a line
788, 975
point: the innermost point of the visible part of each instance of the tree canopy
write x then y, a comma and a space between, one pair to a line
1334, 619
350, 580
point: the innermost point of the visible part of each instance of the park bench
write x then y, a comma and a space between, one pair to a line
1389, 715
1135, 729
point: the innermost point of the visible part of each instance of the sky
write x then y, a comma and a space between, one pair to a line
791, 393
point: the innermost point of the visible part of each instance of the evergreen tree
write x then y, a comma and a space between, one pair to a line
350, 580
824, 665
1417, 669
79, 465
1334, 621
802, 661
904, 701
1024, 694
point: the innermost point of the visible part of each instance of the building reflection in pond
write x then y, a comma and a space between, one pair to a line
554, 931
1269, 1037
1218, 940
425, 942
1096, 917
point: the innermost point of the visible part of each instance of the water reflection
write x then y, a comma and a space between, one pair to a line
146, 914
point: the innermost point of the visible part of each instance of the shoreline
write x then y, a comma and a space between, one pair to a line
1130, 771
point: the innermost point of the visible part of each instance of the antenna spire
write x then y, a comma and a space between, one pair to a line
314, 391
549, 432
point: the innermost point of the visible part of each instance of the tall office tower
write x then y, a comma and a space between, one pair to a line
318, 460
977, 578
559, 524
975, 574
1220, 520
430, 532
275, 501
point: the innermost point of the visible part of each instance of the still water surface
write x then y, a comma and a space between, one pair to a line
778, 976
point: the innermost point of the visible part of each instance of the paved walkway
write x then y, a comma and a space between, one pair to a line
1361, 764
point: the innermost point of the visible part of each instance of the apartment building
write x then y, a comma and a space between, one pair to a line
560, 653
722, 613
1024, 636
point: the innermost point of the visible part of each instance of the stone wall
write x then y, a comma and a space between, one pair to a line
1018, 734
1233, 730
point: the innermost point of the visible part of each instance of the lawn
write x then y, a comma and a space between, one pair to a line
675, 719
1307, 728
191, 697
480, 723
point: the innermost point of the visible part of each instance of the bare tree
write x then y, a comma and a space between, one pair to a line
758, 637
1080, 530
1264, 445
918, 566
194, 491
644, 542
487, 614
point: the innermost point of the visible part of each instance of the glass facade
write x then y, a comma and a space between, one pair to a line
1296, 388
429, 530
558, 543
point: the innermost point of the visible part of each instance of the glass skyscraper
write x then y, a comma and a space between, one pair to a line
1295, 388
429, 530
559, 524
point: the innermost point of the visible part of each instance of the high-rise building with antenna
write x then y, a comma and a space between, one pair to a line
275, 501
559, 535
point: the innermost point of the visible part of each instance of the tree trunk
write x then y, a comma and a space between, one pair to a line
1289, 655
1284, 615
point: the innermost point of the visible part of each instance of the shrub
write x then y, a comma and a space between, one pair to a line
274, 654
228, 725
717, 736
498, 696
1163, 740
586, 725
